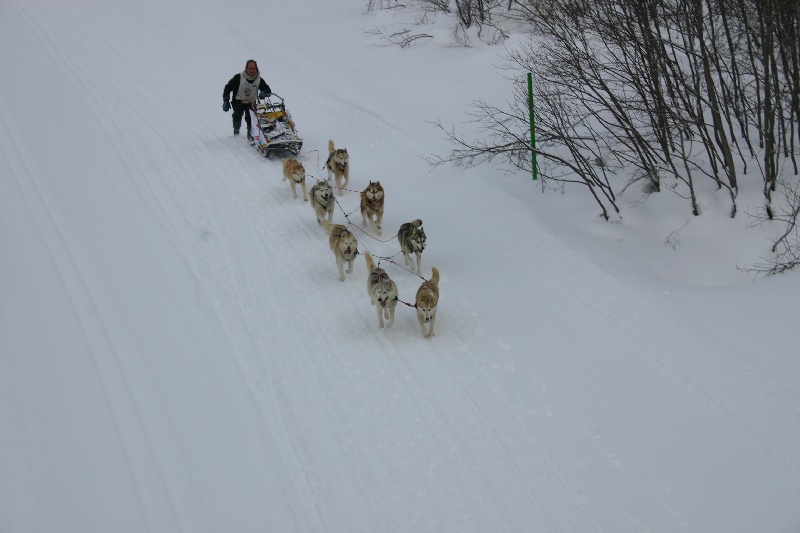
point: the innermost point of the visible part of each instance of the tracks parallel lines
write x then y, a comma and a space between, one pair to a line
94, 333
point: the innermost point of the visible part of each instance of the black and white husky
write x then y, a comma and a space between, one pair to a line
412, 240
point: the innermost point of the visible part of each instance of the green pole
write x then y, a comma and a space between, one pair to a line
533, 128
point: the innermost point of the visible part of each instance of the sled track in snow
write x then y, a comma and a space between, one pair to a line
346, 414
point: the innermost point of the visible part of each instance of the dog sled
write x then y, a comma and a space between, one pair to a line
272, 129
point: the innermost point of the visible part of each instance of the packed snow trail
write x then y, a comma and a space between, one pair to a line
180, 356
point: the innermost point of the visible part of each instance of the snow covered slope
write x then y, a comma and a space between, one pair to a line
177, 354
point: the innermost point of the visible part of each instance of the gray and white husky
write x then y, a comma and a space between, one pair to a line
412, 240
322, 201
382, 292
338, 165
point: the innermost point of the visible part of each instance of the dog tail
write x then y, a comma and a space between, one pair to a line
331, 147
326, 226
369, 260
435, 275
285, 167
416, 223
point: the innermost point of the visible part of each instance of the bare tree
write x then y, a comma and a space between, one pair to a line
786, 248
645, 93
402, 38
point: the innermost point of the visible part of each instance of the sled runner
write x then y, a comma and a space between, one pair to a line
273, 131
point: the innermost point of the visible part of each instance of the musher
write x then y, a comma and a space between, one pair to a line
245, 87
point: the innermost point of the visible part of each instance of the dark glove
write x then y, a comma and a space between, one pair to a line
226, 106
262, 94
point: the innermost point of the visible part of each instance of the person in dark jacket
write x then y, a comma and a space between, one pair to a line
244, 87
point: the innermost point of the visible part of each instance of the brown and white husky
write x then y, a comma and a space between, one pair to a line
343, 244
372, 206
295, 173
426, 303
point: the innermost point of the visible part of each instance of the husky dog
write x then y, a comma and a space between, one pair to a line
322, 200
372, 206
382, 292
344, 246
338, 165
426, 303
295, 174
412, 239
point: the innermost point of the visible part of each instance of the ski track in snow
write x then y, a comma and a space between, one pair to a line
111, 373
388, 412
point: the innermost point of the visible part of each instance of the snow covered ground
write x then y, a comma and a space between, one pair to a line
177, 354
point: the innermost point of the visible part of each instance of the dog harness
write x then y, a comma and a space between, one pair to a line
376, 276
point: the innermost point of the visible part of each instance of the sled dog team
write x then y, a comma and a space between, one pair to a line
344, 245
